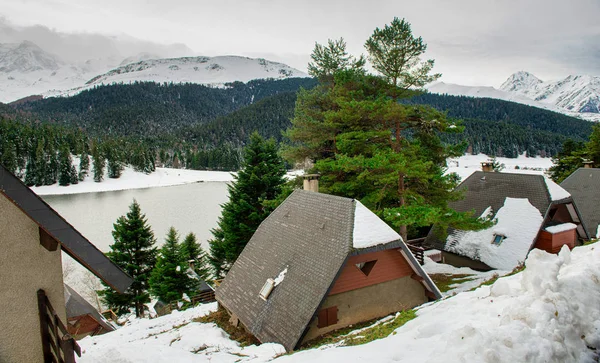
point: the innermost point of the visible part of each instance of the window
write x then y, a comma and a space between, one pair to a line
266, 289
366, 267
327, 317
498, 238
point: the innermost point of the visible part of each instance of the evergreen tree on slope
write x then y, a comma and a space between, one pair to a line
193, 252
169, 280
259, 181
134, 251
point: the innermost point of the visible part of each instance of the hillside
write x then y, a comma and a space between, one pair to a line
154, 109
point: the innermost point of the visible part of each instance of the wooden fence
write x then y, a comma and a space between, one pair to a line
58, 346
416, 247
202, 298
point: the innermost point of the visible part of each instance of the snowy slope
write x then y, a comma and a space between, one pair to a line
519, 97
26, 69
547, 313
574, 93
200, 70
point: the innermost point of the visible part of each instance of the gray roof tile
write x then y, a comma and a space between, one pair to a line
584, 186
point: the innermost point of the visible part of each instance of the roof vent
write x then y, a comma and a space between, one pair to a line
266, 289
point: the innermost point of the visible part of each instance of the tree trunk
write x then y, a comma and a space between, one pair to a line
401, 187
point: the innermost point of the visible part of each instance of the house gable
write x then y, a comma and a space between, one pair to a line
584, 186
51, 223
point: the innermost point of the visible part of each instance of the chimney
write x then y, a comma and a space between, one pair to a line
487, 166
311, 182
587, 163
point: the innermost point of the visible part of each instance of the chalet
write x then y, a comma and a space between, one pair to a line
530, 211
32, 236
319, 263
584, 186
82, 318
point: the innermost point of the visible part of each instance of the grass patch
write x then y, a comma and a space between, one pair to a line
378, 331
444, 281
591, 241
336, 335
382, 330
221, 319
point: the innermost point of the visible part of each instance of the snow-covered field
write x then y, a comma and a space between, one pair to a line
467, 164
131, 179
547, 313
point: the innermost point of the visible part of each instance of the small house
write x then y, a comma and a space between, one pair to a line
32, 238
529, 211
82, 318
584, 186
319, 263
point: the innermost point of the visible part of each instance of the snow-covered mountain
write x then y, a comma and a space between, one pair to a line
574, 93
516, 89
200, 70
26, 69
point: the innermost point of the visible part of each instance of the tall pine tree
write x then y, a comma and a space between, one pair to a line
260, 180
193, 253
371, 147
169, 280
135, 252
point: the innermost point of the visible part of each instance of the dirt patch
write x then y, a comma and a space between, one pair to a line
221, 319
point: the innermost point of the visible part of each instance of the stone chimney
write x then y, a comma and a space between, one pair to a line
587, 164
487, 166
311, 182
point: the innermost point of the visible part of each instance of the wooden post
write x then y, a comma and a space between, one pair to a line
45, 333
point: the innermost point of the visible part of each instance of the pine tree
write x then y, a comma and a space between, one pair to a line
193, 253
84, 165
169, 280
135, 252
260, 180
64, 172
368, 146
99, 164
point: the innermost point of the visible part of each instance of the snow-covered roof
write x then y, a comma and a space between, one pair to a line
561, 228
556, 191
518, 222
370, 230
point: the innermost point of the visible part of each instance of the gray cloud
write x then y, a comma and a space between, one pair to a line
473, 41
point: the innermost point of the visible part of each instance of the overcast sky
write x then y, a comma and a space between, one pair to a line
474, 42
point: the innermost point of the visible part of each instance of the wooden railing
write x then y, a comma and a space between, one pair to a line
415, 246
58, 346
204, 297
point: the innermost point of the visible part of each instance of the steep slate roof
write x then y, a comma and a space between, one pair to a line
485, 189
311, 235
584, 186
78, 306
71, 241
490, 189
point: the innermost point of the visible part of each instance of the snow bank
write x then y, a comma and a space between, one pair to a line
467, 164
370, 230
561, 227
518, 221
548, 313
131, 179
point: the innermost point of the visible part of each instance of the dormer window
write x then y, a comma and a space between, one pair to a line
266, 289
498, 238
